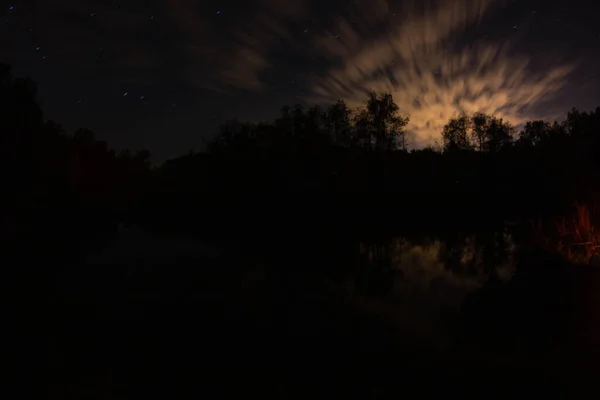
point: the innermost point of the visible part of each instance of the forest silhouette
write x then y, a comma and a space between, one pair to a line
298, 194
333, 164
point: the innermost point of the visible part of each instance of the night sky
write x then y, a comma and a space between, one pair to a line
162, 74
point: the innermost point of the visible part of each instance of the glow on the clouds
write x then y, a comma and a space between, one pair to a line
431, 77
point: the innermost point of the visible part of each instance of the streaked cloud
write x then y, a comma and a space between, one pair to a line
428, 54
422, 59
237, 52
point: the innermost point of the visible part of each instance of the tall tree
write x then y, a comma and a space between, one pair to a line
284, 122
455, 134
386, 122
338, 122
363, 128
480, 123
313, 122
499, 134
298, 120
533, 134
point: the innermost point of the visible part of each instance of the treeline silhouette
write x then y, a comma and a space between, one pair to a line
352, 169
62, 191
320, 169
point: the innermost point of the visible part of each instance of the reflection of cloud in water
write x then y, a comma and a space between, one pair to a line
421, 264
428, 290
424, 263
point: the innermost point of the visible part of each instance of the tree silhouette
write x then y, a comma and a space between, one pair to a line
338, 122
533, 134
43, 167
478, 131
480, 123
385, 122
363, 128
455, 134
499, 135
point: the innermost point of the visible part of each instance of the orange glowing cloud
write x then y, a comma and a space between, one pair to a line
431, 77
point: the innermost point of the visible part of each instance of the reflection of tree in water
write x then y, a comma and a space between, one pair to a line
375, 274
451, 253
496, 251
473, 254
420, 284
456, 255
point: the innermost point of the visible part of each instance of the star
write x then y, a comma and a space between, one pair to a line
92, 14
218, 12
515, 26
306, 30
142, 97
11, 8
125, 94
37, 48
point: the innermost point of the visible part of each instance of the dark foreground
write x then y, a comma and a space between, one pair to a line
235, 323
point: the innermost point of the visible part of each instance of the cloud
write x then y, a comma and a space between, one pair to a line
234, 53
419, 58
188, 19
